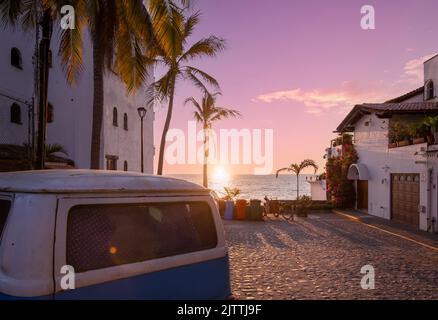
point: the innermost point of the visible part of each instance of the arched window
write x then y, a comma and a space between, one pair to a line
50, 114
115, 117
16, 59
125, 122
430, 91
15, 113
125, 166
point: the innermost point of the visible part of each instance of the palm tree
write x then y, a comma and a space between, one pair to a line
297, 168
207, 113
172, 36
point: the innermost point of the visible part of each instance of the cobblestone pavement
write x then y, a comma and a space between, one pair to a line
320, 257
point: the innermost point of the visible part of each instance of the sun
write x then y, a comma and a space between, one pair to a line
221, 175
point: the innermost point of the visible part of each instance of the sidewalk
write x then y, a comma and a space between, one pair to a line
397, 229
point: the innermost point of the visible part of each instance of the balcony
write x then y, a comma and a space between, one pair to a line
337, 145
404, 132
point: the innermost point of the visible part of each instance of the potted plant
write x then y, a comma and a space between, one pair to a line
417, 132
400, 133
432, 123
303, 204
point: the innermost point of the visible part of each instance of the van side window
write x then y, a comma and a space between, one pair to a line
5, 205
102, 236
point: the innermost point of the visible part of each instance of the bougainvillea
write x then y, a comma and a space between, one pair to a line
341, 190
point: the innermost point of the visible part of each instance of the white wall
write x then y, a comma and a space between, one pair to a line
318, 190
119, 142
16, 83
372, 146
431, 73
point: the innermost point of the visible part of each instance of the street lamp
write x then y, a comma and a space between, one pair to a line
142, 113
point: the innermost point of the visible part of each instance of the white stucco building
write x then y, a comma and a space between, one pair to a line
398, 183
70, 109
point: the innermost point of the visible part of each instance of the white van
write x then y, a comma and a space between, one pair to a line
125, 235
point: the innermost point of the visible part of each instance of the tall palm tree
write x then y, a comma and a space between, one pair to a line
207, 113
296, 169
172, 37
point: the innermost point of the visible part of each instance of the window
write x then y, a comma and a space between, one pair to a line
430, 90
5, 205
16, 59
102, 236
115, 117
15, 113
125, 122
111, 162
50, 115
125, 166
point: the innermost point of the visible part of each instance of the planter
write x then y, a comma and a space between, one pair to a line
430, 139
403, 143
392, 145
418, 140
221, 204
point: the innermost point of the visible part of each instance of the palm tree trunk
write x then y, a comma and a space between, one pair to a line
166, 129
298, 186
206, 154
98, 100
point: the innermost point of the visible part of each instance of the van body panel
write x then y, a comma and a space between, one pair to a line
200, 281
26, 249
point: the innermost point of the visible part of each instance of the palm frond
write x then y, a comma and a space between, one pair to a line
195, 74
209, 47
71, 51
281, 170
10, 11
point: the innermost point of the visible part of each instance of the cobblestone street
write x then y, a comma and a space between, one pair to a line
320, 257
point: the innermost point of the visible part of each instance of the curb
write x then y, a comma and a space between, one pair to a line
358, 220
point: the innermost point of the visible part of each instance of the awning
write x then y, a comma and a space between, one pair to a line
358, 171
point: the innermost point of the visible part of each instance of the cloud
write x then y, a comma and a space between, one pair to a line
318, 100
351, 93
413, 70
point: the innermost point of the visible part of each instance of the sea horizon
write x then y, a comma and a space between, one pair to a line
255, 186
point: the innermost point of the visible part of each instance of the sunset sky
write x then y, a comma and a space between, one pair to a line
298, 67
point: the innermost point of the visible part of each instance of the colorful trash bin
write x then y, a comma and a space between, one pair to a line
229, 210
256, 210
241, 209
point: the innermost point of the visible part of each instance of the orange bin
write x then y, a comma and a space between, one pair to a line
241, 209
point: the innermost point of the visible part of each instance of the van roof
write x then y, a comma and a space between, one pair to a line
92, 181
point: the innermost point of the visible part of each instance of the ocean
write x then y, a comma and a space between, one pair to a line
256, 187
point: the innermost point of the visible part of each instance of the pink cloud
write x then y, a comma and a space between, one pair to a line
413, 70
318, 100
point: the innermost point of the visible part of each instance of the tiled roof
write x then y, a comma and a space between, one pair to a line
408, 95
383, 109
401, 107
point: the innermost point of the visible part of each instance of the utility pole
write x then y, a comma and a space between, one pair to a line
43, 82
